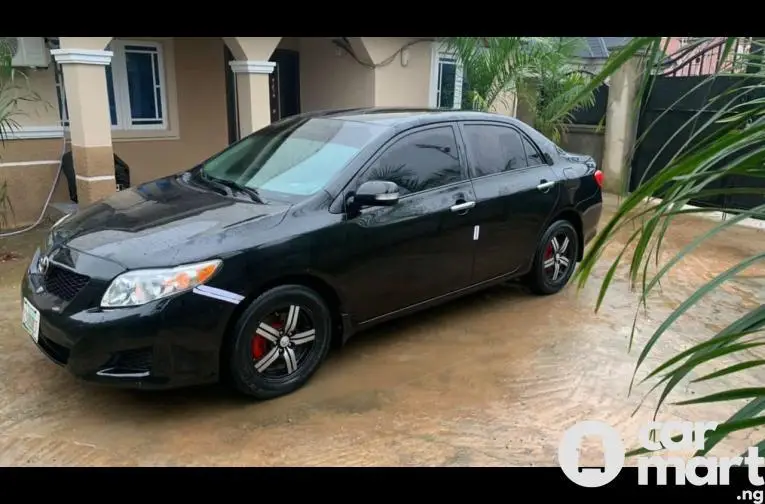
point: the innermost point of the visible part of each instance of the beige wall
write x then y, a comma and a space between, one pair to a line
397, 85
584, 139
195, 80
203, 127
45, 112
331, 79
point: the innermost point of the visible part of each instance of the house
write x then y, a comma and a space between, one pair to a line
164, 104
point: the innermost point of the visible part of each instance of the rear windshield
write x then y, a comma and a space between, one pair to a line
292, 159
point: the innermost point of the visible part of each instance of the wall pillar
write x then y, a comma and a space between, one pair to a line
621, 126
252, 94
89, 121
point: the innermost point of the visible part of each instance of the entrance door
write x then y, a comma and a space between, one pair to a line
231, 111
285, 84
284, 89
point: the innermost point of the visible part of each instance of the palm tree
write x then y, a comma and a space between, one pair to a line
494, 67
539, 71
14, 92
736, 148
558, 87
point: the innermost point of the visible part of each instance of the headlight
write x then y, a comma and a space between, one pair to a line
139, 287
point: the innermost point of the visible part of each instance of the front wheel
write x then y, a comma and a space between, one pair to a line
555, 259
279, 341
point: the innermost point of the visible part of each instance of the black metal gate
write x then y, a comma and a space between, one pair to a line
666, 124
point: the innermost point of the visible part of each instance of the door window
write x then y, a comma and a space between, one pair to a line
494, 149
532, 153
420, 161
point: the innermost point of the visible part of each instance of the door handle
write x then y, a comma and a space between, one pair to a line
462, 207
545, 185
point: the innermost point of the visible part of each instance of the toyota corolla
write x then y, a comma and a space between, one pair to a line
250, 265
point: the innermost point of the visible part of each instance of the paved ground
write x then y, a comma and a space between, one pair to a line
493, 379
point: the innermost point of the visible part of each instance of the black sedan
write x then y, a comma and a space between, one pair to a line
249, 266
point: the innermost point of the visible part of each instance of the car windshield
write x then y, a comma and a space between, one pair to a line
292, 159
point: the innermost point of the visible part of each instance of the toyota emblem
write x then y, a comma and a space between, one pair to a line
43, 264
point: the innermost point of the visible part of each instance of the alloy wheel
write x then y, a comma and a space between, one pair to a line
558, 257
282, 341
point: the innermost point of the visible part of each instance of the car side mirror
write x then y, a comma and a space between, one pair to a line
548, 159
375, 193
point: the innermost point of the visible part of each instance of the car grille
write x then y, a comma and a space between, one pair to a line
137, 360
64, 283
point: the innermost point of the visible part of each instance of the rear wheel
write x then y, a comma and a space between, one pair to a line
555, 259
279, 341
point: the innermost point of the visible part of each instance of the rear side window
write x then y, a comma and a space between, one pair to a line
494, 149
420, 161
532, 153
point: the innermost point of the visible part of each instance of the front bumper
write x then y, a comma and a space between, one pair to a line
170, 343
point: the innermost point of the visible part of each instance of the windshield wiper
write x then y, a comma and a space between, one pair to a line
230, 186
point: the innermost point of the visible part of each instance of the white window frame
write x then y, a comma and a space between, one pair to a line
121, 87
440, 54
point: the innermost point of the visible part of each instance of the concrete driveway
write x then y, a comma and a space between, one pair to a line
493, 379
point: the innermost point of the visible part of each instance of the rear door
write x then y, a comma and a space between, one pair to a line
516, 193
422, 247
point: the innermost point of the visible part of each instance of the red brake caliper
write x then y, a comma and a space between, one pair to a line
548, 252
260, 344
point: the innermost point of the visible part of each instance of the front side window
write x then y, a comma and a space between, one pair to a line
294, 158
420, 161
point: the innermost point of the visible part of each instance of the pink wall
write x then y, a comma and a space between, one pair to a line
702, 61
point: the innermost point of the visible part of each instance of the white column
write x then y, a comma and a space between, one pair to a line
89, 121
252, 94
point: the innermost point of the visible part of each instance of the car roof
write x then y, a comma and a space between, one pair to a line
404, 117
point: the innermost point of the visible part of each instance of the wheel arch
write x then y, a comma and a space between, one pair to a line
314, 282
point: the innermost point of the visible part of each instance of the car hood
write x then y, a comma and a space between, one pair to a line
167, 222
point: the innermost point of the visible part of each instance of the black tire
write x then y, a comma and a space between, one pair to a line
305, 357
542, 280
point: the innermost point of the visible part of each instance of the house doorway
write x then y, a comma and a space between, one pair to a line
285, 84
232, 113
284, 89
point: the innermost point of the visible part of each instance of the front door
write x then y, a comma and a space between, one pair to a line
422, 247
516, 194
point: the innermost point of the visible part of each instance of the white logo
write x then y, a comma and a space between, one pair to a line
680, 436
613, 454
43, 264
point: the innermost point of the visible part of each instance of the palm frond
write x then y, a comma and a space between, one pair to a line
15, 92
729, 141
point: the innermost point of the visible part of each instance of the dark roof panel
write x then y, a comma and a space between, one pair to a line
601, 47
